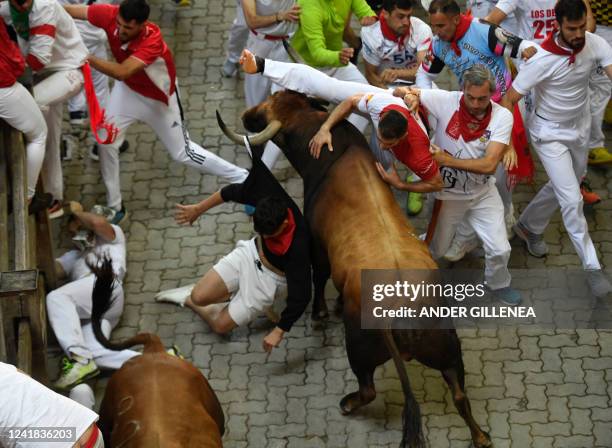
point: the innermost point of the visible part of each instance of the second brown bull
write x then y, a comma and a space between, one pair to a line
357, 224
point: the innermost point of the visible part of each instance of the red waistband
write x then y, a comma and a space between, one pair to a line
93, 438
269, 36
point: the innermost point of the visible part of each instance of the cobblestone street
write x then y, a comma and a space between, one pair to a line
528, 388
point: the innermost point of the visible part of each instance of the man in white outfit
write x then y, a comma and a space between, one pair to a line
472, 134
19, 109
54, 50
270, 22
238, 36
559, 127
146, 90
70, 306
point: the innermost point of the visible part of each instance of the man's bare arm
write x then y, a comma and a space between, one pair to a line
484, 165
78, 12
120, 72
323, 136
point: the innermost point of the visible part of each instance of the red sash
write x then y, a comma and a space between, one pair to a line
97, 119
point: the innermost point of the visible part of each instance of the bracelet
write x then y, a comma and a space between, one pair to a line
277, 19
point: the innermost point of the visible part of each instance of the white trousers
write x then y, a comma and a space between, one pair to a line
71, 304
238, 35
600, 87
331, 84
126, 107
50, 95
465, 232
19, 110
485, 214
562, 149
100, 82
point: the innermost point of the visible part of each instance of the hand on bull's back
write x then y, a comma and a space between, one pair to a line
321, 138
391, 177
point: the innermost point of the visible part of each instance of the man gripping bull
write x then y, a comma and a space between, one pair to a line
397, 130
460, 42
473, 134
145, 90
273, 265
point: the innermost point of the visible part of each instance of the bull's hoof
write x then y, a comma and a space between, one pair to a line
483, 442
350, 403
319, 315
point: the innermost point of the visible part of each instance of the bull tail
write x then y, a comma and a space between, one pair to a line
102, 300
412, 430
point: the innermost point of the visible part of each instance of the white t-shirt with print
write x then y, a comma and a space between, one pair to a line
460, 184
384, 53
535, 18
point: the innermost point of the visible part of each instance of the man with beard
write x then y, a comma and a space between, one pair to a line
472, 133
559, 128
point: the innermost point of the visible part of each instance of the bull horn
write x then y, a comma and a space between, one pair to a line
258, 139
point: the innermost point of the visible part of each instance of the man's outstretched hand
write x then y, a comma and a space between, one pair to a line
248, 63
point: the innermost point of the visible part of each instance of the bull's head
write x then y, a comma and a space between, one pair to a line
282, 113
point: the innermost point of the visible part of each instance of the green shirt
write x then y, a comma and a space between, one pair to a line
318, 39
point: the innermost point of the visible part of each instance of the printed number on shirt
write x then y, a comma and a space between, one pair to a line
403, 59
542, 28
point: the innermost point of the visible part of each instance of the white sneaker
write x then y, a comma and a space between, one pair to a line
460, 248
177, 295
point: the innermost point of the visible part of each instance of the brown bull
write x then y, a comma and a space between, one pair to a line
155, 400
357, 224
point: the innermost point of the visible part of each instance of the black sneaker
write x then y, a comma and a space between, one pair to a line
93, 150
78, 118
124, 147
40, 202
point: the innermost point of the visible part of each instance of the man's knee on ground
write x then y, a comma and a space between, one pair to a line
221, 327
200, 296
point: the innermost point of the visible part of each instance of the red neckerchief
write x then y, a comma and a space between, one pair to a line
279, 244
93, 438
97, 115
550, 45
464, 124
465, 20
388, 33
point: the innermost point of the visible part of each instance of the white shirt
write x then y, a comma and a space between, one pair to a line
561, 89
384, 53
271, 7
54, 40
481, 8
374, 103
24, 402
92, 35
460, 184
535, 18
75, 262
